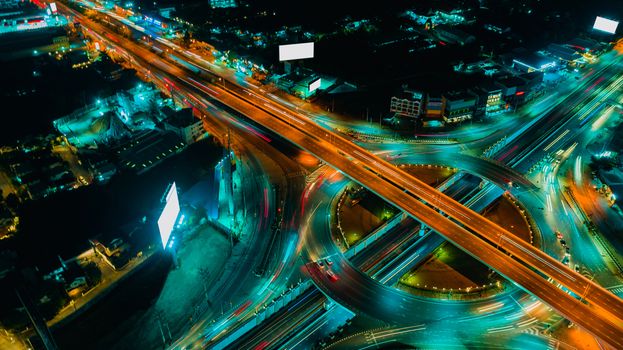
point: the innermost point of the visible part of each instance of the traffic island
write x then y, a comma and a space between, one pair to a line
450, 273
360, 212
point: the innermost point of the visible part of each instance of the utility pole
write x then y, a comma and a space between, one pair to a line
37, 320
205, 275
159, 318
229, 189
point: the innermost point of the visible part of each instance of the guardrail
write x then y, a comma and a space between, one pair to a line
262, 314
394, 221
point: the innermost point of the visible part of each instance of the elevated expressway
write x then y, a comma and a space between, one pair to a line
487, 241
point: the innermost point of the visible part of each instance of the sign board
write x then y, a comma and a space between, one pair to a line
169, 214
314, 85
605, 25
296, 51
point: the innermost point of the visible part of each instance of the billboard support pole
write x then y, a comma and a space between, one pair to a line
174, 257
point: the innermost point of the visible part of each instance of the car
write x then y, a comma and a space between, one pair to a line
320, 263
328, 261
563, 242
82, 180
577, 268
332, 276
558, 235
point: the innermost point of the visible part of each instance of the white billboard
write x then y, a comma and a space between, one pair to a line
296, 51
53, 7
169, 215
314, 85
605, 25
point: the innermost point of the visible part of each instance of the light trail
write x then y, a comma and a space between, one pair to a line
556, 140
538, 258
480, 226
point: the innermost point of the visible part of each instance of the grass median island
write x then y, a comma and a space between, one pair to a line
361, 212
450, 272
433, 175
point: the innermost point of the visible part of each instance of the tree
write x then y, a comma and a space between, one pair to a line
12, 201
187, 38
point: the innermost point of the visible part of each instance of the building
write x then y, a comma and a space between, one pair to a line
453, 35
565, 54
9, 4
148, 148
489, 99
530, 62
8, 222
222, 3
60, 43
103, 171
433, 106
408, 103
457, 107
184, 124
116, 253
584, 45
513, 90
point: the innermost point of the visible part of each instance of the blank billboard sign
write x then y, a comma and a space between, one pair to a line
169, 215
314, 85
296, 51
605, 25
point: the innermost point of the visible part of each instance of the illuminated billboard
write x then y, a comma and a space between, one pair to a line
314, 85
53, 7
605, 25
169, 215
296, 51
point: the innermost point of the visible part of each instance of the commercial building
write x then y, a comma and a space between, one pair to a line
116, 253
531, 62
566, 54
433, 106
149, 148
517, 90
184, 124
408, 103
589, 46
8, 4
458, 106
453, 35
489, 101
223, 3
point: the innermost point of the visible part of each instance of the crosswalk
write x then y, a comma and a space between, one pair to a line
316, 174
553, 344
543, 325
618, 290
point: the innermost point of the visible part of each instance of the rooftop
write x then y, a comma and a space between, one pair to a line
180, 118
149, 148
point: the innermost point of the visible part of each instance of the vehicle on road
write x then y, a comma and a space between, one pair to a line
332, 276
